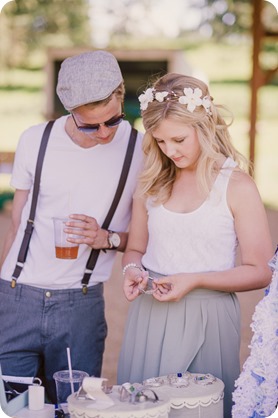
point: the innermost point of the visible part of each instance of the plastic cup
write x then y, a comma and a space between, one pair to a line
63, 248
65, 385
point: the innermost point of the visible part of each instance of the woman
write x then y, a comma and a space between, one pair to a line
195, 205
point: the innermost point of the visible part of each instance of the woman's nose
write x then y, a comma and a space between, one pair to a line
170, 150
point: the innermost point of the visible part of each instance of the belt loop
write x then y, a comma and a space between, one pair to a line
71, 296
18, 291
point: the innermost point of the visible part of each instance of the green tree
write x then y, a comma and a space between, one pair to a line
35, 24
234, 17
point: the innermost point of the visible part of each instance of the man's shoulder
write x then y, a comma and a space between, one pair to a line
35, 131
125, 131
140, 135
41, 125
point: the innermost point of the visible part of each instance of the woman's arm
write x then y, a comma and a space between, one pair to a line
136, 247
256, 249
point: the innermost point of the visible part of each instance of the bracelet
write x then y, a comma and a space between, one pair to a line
131, 265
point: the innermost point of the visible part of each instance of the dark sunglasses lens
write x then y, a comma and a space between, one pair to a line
95, 128
114, 122
88, 129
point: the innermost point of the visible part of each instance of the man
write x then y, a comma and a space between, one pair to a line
46, 311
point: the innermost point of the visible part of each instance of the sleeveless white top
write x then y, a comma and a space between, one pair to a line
200, 241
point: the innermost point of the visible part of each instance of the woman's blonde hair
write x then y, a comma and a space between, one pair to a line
160, 172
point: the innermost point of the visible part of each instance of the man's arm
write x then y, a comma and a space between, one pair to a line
19, 200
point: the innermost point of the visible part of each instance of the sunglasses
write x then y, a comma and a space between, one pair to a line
94, 128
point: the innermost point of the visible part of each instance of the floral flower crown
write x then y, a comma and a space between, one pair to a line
191, 98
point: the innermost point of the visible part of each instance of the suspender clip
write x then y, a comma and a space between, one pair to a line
13, 283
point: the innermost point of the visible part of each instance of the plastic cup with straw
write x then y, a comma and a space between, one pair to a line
67, 382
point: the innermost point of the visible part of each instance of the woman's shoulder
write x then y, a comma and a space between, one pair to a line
241, 179
242, 188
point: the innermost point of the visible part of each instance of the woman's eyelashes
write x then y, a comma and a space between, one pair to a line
176, 140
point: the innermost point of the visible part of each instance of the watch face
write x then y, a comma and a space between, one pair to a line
114, 239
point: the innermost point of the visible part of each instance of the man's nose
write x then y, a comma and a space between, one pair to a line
103, 130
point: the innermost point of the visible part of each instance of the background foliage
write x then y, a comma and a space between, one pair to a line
218, 45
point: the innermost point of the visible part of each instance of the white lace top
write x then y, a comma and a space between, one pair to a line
202, 240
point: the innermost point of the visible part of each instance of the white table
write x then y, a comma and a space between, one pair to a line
148, 409
202, 397
47, 412
197, 400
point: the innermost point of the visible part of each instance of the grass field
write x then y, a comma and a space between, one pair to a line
228, 71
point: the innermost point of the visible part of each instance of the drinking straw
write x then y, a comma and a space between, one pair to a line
70, 370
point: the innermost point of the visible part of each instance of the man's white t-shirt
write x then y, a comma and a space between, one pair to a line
74, 180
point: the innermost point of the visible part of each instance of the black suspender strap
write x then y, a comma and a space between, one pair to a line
95, 253
30, 223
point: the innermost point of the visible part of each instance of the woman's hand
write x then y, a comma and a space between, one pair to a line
174, 288
135, 280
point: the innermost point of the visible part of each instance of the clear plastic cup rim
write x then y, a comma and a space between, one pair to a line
63, 376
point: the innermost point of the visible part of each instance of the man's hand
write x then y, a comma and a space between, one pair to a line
87, 230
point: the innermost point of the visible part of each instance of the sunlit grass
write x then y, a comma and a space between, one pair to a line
19, 109
21, 79
222, 62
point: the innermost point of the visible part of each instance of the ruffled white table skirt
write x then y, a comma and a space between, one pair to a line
197, 400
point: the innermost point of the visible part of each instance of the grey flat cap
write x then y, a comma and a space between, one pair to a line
88, 77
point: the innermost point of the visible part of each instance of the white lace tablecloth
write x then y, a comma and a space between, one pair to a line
197, 400
88, 408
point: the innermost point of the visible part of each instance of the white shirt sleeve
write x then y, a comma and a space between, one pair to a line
26, 158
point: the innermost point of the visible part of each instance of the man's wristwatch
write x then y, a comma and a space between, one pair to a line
114, 240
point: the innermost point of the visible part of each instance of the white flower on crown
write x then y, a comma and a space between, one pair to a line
160, 95
146, 98
192, 98
207, 104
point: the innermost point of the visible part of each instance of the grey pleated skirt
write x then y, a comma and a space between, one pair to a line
200, 333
